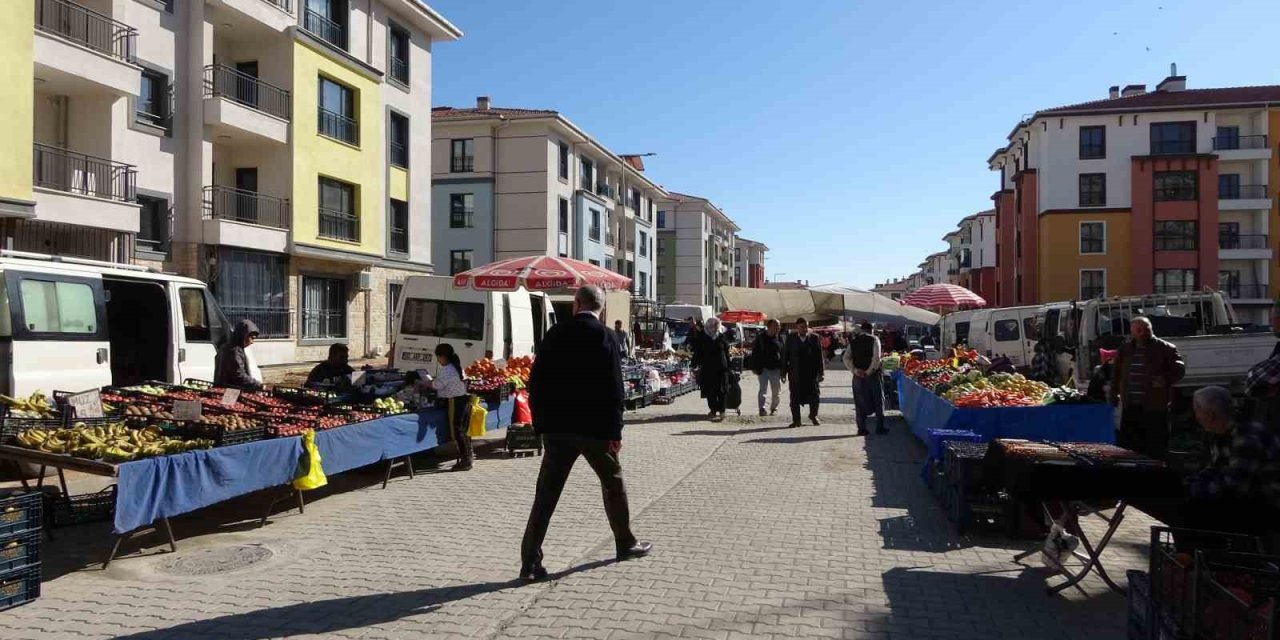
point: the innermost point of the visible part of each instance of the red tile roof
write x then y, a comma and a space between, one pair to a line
1161, 100
450, 113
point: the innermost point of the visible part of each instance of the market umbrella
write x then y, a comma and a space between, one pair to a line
943, 296
538, 273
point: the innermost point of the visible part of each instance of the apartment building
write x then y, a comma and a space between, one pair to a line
512, 182
893, 289
696, 243
748, 260
973, 254
261, 145
1144, 191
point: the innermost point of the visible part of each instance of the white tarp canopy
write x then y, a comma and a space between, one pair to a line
830, 301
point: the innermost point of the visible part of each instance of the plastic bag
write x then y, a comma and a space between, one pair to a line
523, 413
476, 421
310, 473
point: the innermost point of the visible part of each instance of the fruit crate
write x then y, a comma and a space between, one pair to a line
195, 383
1172, 570
19, 550
82, 509
522, 439
978, 511
221, 435
1139, 605
19, 511
11, 426
962, 464
19, 587
1237, 596
306, 397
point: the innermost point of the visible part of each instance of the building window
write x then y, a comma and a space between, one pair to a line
644, 245
462, 208
662, 219
1228, 235
1093, 284
337, 112
1173, 137
153, 224
594, 262
254, 285
662, 247
398, 54
338, 219
398, 132
1227, 138
633, 198
327, 20
1093, 238
643, 279
462, 156
1176, 185
1175, 280
399, 239
394, 289
1229, 186
1176, 235
563, 168
324, 308
1093, 189
608, 263
152, 105
662, 274
1093, 142
1229, 282
586, 173
594, 231
459, 261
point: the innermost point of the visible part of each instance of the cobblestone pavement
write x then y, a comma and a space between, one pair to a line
759, 531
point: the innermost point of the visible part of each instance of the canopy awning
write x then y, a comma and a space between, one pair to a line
830, 301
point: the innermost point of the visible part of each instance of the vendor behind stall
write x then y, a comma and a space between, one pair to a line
451, 390
334, 371
234, 365
1238, 490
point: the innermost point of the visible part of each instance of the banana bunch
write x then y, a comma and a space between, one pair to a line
113, 443
37, 405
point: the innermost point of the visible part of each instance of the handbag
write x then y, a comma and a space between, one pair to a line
477, 421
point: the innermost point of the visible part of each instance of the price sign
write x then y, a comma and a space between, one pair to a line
87, 404
186, 410
230, 396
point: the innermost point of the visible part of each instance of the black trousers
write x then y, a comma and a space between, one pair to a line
459, 416
560, 451
814, 398
1145, 431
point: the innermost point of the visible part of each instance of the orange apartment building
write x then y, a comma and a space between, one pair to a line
1142, 192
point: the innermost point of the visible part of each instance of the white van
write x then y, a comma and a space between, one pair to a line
954, 328
1011, 332
69, 324
681, 311
479, 324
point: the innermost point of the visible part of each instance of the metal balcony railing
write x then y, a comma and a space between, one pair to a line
224, 82
86, 27
284, 5
272, 322
63, 170
400, 71
238, 205
399, 240
1165, 289
1231, 143
1164, 147
1243, 192
1245, 241
338, 127
325, 29
339, 225
1247, 291
609, 239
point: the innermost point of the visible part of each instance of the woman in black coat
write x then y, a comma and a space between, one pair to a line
711, 358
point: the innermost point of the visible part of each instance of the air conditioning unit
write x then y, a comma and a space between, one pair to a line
362, 281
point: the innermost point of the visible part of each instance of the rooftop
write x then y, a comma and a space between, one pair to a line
1267, 95
452, 113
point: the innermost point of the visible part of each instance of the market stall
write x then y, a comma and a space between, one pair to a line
656, 377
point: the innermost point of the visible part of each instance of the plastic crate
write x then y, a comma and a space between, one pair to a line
194, 383
19, 512
1140, 627
11, 426
521, 438
19, 587
84, 508
19, 550
962, 463
977, 511
1237, 596
939, 437
1172, 572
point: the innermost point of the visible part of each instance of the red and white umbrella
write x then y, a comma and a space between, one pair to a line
943, 296
538, 273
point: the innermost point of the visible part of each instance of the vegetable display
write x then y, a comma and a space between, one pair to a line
112, 443
960, 382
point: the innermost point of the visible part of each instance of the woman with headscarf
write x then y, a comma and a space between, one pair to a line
711, 359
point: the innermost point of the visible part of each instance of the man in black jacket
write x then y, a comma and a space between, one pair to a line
575, 393
803, 365
766, 363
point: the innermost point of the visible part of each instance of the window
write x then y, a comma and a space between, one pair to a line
462, 156
462, 207
644, 244
1228, 235
1093, 189
563, 169
594, 261
327, 20
662, 274
337, 112
398, 132
324, 308
337, 211
153, 224
394, 290
1093, 283
255, 285
442, 319
586, 174
1093, 142
459, 261
1093, 237
1229, 282
399, 240
58, 307
594, 231
195, 315
662, 219
642, 279
1227, 138
1175, 280
662, 247
1176, 185
152, 105
1173, 137
633, 198
398, 54
1175, 235
1029, 328
608, 263
1006, 330
1229, 186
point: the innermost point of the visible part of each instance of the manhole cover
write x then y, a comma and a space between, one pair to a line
205, 562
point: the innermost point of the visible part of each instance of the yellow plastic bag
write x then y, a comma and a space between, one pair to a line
478, 419
310, 473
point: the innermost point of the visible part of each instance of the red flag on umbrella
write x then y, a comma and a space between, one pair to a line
539, 273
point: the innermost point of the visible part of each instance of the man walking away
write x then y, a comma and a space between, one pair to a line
624, 343
803, 365
862, 358
766, 363
1144, 374
575, 393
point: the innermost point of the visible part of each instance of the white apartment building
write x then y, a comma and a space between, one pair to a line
696, 243
516, 182
748, 261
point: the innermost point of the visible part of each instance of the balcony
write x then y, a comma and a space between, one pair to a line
1244, 247
399, 71
81, 189
399, 240
1168, 289
1242, 147
325, 29
1241, 292
338, 127
1238, 197
244, 108
274, 14
339, 225
605, 189
78, 50
239, 218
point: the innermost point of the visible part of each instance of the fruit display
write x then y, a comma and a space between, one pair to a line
488, 384
113, 443
389, 405
147, 411
518, 370
965, 386
36, 406
482, 368
150, 390
229, 421
1067, 395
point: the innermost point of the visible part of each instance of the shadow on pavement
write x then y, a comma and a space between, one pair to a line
730, 432
669, 419
328, 616
798, 439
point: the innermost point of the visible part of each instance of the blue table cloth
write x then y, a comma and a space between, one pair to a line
168, 486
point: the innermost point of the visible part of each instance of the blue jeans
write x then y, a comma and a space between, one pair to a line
868, 399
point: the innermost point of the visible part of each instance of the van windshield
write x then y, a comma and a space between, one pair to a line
443, 319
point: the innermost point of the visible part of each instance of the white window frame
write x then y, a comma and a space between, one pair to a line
1080, 282
1080, 236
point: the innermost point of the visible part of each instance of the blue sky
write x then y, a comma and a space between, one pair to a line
848, 136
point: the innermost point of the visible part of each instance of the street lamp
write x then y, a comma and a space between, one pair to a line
778, 275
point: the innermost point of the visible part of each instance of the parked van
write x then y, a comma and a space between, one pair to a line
681, 311
954, 328
479, 324
617, 306
69, 324
1011, 332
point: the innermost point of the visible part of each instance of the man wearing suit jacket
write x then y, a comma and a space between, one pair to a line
575, 393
